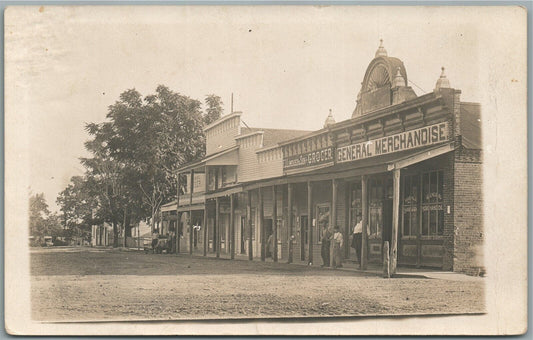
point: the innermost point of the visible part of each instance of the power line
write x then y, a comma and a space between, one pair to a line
245, 123
417, 86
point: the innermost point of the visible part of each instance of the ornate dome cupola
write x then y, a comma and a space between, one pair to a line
384, 84
381, 52
329, 120
442, 82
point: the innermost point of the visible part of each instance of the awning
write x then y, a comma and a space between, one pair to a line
369, 166
171, 206
229, 191
196, 199
226, 157
420, 156
193, 207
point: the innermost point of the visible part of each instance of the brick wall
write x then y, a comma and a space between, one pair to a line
468, 216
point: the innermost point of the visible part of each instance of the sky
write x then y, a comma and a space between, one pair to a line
286, 66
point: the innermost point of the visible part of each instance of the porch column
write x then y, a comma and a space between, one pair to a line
395, 217
176, 233
190, 214
364, 207
275, 223
289, 224
231, 227
310, 219
216, 239
347, 229
261, 226
249, 221
333, 215
206, 235
178, 247
206, 241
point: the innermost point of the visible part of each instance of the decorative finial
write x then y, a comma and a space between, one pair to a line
330, 120
381, 52
442, 82
398, 79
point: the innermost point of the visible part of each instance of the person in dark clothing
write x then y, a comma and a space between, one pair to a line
326, 240
357, 237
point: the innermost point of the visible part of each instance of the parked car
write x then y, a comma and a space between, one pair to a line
48, 242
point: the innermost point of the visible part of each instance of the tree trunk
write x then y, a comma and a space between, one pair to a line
115, 234
153, 220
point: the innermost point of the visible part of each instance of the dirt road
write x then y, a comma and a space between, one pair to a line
84, 284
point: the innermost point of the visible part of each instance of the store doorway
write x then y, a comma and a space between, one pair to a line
268, 231
243, 236
304, 237
387, 211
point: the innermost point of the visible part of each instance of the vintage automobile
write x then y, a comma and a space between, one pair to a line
159, 245
48, 242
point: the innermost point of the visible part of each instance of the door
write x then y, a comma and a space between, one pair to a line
267, 224
387, 221
408, 238
243, 238
304, 237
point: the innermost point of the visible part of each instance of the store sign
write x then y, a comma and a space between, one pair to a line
412, 139
318, 157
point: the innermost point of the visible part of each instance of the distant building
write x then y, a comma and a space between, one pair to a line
102, 235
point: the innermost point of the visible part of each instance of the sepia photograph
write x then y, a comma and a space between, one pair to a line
265, 170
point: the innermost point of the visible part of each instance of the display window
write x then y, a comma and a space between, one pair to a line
410, 205
432, 204
375, 209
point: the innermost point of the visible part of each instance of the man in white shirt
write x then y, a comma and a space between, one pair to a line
337, 248
358, 237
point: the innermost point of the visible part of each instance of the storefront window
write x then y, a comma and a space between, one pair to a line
212, 179
224, 176
222, 227
432, 207
375, 208
355, 207
409, 203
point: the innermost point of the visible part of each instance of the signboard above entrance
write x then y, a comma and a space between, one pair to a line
322, 156
428, 135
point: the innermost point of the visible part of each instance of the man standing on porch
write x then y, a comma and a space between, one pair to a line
337, 248
358, 236
326, 239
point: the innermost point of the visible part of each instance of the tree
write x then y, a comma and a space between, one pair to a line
42, 222
106, 175
137, 151
78, 204
214, 108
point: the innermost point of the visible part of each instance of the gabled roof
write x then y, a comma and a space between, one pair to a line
271, 137
222, 119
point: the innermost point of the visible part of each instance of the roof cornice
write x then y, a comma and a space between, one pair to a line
380, 113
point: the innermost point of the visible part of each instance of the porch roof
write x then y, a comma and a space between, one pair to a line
374, 165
